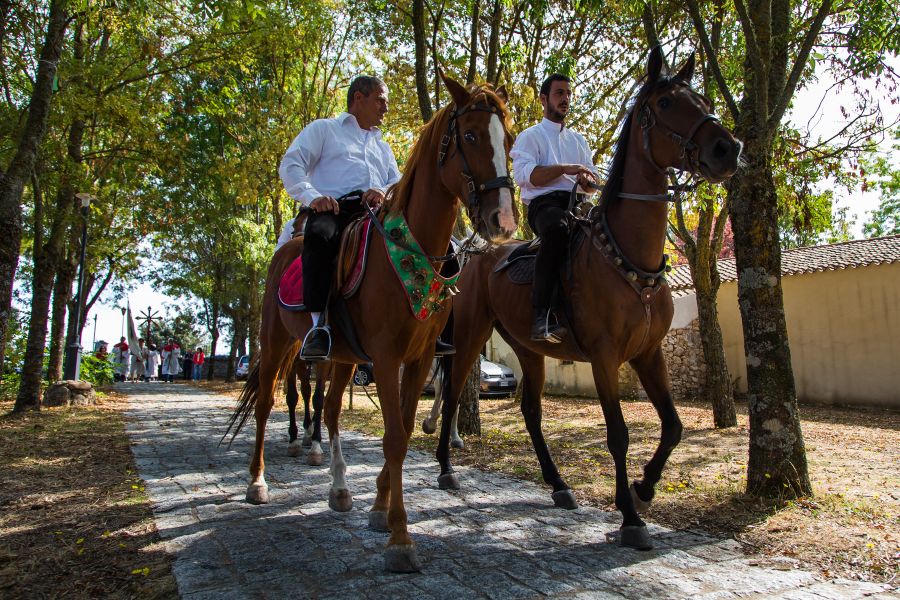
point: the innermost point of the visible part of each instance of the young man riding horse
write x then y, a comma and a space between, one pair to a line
325, 168
548, 158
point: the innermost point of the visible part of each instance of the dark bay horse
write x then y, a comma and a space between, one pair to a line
312, 420
462, 153
617, 302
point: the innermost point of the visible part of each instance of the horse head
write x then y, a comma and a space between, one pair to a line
678, 127
474, 158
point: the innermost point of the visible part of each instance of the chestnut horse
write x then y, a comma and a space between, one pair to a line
617, 304
462, 153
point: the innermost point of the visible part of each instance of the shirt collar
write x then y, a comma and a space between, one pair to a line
344, 117
551, 126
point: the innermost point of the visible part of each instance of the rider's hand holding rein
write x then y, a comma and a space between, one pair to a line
373, 197
325, 204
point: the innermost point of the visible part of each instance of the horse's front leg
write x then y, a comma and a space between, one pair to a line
399, 419
651, 369
261, 388
304, 372
633, 531
339, 497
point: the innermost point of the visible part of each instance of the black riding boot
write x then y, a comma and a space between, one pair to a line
546, 328
442, 348
316, 345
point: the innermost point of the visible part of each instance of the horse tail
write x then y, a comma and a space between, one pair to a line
250, 393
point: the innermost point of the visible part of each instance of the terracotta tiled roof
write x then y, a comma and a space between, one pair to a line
831, 257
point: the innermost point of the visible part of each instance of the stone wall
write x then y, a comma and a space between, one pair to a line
684, 357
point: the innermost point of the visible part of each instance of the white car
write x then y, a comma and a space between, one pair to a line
242, 368
497, 380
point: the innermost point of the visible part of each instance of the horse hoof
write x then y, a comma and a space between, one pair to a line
564, 499
295, 449
457, 443
448, 481
314, 459
639, 505
378, 520
340, 500
258, 493
428, 427
635, 536
402, 558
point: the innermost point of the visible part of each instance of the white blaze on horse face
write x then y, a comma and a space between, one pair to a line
495, 129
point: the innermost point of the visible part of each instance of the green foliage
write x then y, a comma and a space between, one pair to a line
9, 387
885, 220
95, 370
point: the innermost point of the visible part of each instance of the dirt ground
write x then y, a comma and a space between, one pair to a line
75, 521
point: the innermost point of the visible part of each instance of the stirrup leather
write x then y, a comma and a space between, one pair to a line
327, 355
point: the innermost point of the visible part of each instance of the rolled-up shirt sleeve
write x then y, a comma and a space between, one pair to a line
298, 161
524, 156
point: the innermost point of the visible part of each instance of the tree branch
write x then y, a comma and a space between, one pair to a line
799, 64
712, 57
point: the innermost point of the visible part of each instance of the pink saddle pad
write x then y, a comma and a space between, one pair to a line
290, 288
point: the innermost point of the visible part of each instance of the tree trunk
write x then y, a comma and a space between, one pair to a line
421, 66
717, 387
473, 44
213, 328
469, 422
253, 317
62, 291
777, 462
12, 181
493, 58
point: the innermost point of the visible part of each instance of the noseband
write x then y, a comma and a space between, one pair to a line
474, 200
690, 152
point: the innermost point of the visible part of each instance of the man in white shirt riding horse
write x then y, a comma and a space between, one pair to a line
334, 166
548, 159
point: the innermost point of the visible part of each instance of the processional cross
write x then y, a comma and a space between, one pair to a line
148, 317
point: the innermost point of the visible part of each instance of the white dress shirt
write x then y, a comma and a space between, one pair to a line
332, 157
543, 145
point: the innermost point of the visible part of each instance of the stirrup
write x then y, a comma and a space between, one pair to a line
316, 357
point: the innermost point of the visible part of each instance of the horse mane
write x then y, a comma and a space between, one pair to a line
615, 172
429, 140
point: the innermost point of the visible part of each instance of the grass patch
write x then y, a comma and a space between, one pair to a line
75, 519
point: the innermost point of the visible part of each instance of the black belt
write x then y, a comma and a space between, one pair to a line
559, 195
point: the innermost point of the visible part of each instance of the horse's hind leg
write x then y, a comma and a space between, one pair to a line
291, 396
651, 369
315, 456
270, 362
532, 387
633, 531
339, 497
305, 374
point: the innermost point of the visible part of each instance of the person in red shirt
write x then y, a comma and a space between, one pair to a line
199, 359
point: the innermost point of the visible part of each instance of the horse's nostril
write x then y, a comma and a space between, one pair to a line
722, 148
494, 219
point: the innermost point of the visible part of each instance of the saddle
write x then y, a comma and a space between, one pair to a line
519, 264
351, 264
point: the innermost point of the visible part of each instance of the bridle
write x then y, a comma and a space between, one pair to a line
690, 151
473, 202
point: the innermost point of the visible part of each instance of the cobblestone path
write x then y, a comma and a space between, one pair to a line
498, 538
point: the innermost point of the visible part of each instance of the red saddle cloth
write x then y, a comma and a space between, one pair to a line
290, 288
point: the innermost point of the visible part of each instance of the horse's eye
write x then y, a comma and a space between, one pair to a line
664, 102
469, 137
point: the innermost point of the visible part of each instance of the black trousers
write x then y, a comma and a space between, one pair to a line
547, 217
320, 248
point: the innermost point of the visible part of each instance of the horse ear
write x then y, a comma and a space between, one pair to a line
457, 91
655, 63
687, 71
502, 94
